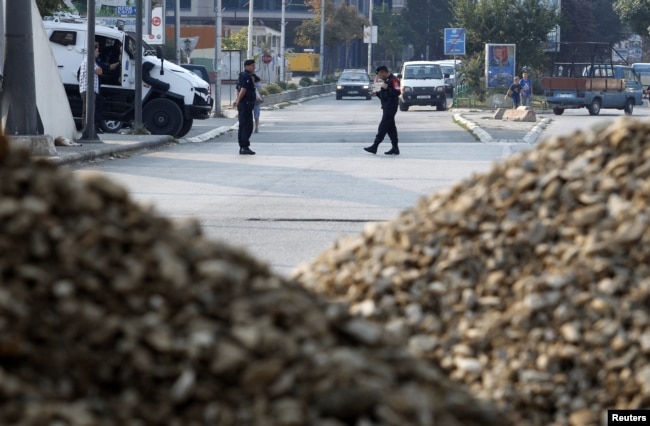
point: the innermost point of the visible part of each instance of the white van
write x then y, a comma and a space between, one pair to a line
423, 84
172, 97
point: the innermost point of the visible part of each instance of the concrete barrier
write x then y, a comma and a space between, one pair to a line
299, 93
522, 113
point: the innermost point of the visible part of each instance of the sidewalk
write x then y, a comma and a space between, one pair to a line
116, 144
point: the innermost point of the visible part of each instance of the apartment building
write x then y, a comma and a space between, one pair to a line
198, 20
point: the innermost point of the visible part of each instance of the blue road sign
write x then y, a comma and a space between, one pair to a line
125, 11
454, 41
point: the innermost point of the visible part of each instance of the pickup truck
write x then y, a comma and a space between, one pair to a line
599, 86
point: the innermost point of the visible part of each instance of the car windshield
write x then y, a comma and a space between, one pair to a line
354, 76
423, 72
447, 69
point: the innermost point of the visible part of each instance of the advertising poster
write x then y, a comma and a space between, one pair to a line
500, 65
109, 12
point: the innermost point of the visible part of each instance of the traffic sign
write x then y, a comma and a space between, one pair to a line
266, 58
125, 10
454, 41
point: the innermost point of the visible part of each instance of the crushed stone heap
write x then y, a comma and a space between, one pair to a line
112, 315
529, 283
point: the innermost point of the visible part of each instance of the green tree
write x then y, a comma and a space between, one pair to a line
427, 20
343, 24
635, 14
237, 41
390, 36
524, 23
47, 7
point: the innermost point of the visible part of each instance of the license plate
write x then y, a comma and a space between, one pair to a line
353, 92
564, 95
424, 97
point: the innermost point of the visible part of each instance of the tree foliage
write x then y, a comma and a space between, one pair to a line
47, 7
343, 24
635, 14
427, 20
391, 30
237, 41
524, 23
590, 20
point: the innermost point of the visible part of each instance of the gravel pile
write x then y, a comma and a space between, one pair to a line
529, 283
113, 315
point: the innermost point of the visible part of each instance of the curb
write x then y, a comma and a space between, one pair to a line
107, 150
208, 135
477, 131
484, 137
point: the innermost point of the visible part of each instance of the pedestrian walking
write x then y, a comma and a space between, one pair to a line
245, 104
526, 89
389, 96
514, 92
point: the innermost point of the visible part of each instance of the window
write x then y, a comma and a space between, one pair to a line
183, 4
64, 38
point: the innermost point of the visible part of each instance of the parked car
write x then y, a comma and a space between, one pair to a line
353, 82
200, 71
449, 68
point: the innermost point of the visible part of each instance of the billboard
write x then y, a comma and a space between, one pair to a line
500, 65
109, 12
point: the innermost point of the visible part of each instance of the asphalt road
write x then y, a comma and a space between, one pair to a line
311, 182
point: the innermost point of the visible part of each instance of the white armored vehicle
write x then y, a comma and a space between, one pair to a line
172, 97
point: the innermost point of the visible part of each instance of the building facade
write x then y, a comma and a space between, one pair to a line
198, 19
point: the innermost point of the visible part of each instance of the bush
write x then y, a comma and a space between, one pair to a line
330, 79
283, 85
305, 82
292, 86
271, 89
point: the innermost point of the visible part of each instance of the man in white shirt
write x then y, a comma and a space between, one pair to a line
83, 82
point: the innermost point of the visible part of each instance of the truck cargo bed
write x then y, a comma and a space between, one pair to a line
583, 83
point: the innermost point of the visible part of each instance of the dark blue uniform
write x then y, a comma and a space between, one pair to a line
245, 109
389, 104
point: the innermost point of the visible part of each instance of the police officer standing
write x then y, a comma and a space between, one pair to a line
389, 96
245, 103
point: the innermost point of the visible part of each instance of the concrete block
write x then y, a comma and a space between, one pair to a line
520, 114
38, 145
498, 114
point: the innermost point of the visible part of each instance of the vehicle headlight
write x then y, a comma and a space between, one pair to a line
440, 88
365, 86
407, 89
339, 87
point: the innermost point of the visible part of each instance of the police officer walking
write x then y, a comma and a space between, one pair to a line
245, 103
389, 96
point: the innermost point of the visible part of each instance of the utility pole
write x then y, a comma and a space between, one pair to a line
177, 29
19, 96
322, 38
217, 59
90, 134
283, 30
249, 52
138, 64
371, 37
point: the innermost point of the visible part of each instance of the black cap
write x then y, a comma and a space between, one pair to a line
381, 68
249, 62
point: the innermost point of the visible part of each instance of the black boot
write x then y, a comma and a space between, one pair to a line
393, 151
372, 148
